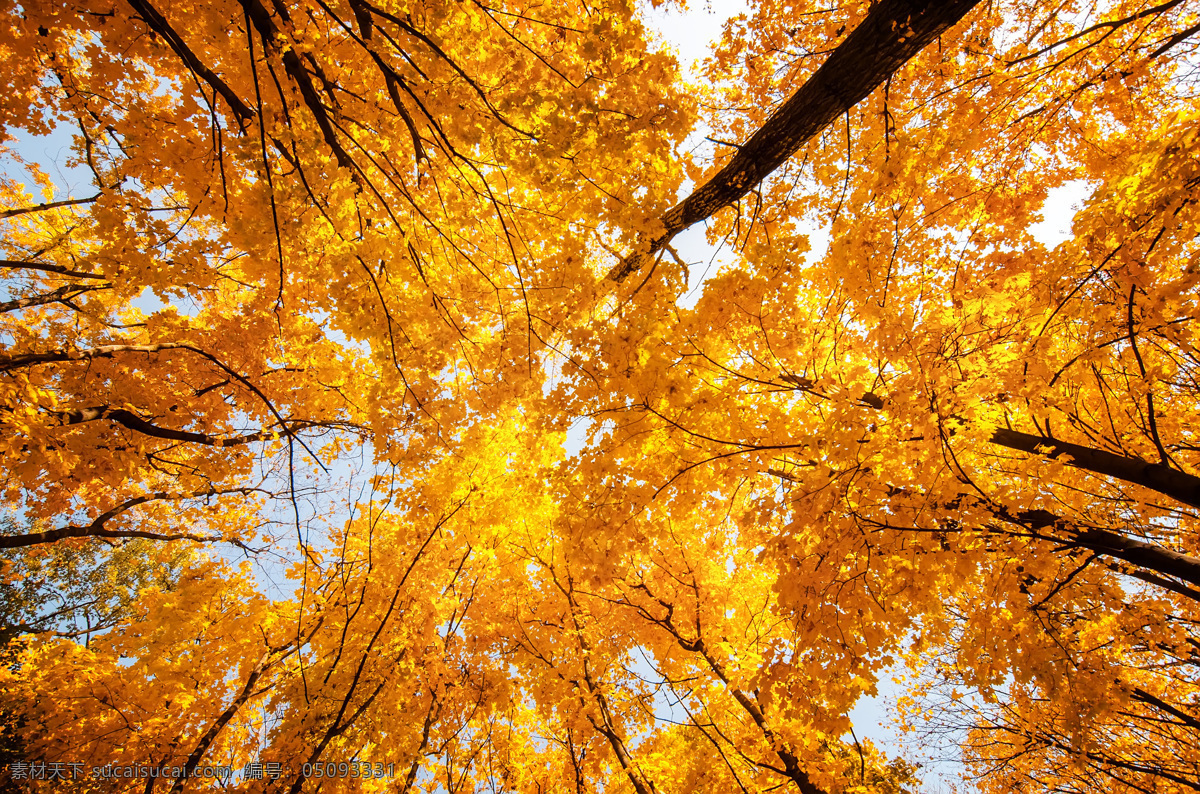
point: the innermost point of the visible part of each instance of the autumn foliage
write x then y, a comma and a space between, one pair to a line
359, 411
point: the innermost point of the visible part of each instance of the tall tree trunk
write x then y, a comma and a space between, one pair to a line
1180, 486
892, 33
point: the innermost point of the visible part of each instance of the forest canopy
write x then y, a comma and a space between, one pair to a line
360, 433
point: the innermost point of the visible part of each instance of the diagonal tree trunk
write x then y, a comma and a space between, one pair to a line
1174, 483
1109, 543
1179, 485
892, 33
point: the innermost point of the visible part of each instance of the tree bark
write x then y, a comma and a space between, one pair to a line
210, 735
9, 363
97, 528
134, 422
1149, 556
159, 25
1180, 486
892, 33
1144, 555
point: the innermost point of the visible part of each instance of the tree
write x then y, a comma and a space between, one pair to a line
891, 417
430, 237
80, 591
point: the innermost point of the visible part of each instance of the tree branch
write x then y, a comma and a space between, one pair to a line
60, 295
48, 268
96, 528
1107, 542
157, 23
8, 363
49, 205
892, 33
136, 423
1176, 484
